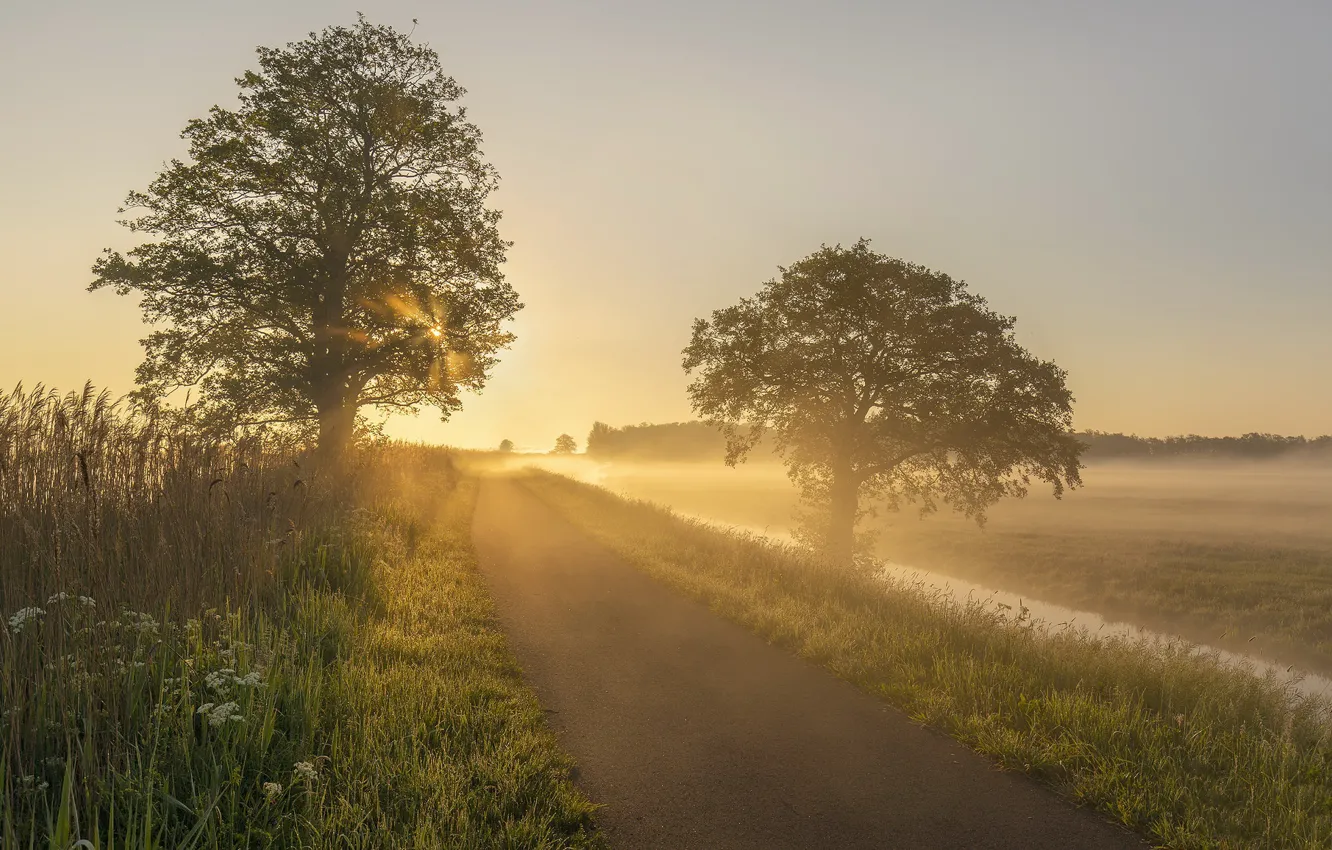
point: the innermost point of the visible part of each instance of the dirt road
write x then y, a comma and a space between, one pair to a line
694, 733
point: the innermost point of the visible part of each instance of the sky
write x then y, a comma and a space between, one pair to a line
1146, 184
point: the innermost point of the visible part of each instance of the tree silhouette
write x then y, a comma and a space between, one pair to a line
882, 380
506, 446
565, 445
326, 247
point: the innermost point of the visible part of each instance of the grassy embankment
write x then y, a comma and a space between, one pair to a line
1237, 555
203, 646
1178, 747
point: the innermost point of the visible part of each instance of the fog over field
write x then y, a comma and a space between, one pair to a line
1234, 554
1282, 501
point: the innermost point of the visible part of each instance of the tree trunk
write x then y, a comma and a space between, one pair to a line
337, 425
844, 504
334, 400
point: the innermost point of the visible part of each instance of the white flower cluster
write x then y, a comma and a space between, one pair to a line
227, 712
145, 623
219, 680
222, 681
62, 596
23, 617
305, 770
272, 791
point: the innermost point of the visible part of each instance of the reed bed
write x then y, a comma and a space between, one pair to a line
144, 511
202, 645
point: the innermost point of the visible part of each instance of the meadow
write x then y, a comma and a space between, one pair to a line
1178, 745
1232, 554
206, 645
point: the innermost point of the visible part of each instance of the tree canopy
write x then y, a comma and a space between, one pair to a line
882, 381
506, 446
565, 445
327, 246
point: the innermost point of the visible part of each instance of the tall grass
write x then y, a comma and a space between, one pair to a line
1179, 746
127, 509
195, 650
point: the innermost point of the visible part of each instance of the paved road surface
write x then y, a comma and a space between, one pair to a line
695, 733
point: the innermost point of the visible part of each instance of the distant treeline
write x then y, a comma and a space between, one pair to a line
1103, 445
698, 441
671, 441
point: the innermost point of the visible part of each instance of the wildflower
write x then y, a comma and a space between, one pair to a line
24, 616
272, 791
62, 596
219, 681
249, 680
219, 714
146, 625
305, 770
227, 712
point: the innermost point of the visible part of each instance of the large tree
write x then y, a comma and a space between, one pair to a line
327, 246
883, 382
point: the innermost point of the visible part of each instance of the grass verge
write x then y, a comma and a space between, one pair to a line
204, 646
1175, 745
431, 737
1232, 555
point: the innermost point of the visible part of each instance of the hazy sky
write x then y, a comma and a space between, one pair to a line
1147, 186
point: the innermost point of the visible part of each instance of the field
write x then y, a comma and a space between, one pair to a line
1236, 555
1181, 747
